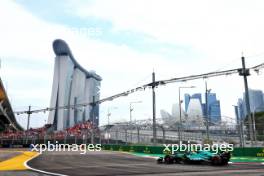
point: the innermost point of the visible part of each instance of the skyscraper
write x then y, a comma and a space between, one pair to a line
188, 97
214, 108
236, 113
241, 109
195, 112
256, 100
72, 85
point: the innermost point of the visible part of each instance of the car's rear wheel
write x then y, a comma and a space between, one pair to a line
216, 160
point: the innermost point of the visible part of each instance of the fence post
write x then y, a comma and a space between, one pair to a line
92, 136
163, 136
100, 137
116, 133
44, 138
84, 138
65, 138
131, 135
108, 136
126, 136
138, 138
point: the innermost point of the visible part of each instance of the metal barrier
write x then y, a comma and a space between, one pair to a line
251, 152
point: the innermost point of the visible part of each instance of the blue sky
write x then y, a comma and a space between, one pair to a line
175, 38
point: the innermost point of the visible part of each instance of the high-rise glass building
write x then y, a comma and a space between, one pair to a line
188, 97
256, 101
214, 110
213, 106
241, 109
72, 85
195, 111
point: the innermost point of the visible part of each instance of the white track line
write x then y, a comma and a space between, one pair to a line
40, 171
144, 156
148, 156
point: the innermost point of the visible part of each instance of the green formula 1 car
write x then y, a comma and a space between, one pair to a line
198, 157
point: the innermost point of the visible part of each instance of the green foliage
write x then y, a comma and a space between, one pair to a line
259, 124
259, 121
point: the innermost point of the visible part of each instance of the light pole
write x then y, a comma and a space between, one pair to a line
207, 110
94, 104
28, 122
180, 127
131, 109
245, 73
154, 124
130, 114
108, 123
109, 113
240, 127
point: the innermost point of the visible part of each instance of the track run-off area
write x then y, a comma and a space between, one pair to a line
106, 163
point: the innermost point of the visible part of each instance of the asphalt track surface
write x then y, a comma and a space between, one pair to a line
4, 155
117, 163
106, 163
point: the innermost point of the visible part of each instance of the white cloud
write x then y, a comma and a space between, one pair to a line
220, 29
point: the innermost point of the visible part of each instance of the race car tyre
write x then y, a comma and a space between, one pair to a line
160, 160
216, 160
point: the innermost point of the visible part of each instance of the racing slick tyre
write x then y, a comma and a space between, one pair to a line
225, 156
160, 160
216, 160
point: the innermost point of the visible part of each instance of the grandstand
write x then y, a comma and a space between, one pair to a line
83, 132
7, 117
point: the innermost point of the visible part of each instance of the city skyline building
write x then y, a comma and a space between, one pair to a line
175, 112
214, 110
256, 100
213, 105
72, 85
195, 111
188, 97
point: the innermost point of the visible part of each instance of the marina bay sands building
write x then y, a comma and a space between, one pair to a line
72, 85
